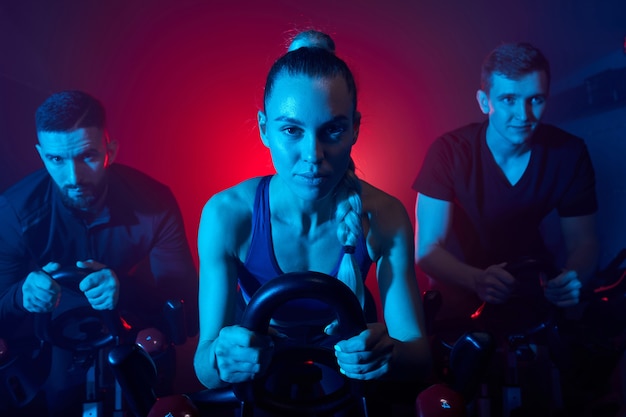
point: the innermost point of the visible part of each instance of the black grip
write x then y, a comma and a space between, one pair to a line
529, 264
297, 285
136, 373
174, 315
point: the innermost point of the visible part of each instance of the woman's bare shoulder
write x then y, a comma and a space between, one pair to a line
235, 197
226, 219
232, 203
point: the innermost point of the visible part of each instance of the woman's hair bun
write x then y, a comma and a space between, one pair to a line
312, 39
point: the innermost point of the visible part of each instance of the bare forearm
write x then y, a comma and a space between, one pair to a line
441, 265
206, 366
584, 260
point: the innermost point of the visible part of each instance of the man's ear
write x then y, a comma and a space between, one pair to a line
356, 126
39, 151
483, 101
112, 147
262, 121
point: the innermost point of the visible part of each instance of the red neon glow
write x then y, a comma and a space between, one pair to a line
478, 311
610, 286
125, 324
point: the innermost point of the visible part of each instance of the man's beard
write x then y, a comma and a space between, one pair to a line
91, 195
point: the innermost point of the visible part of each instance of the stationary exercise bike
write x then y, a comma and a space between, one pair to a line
304, 370
596, 341
84, 336
298, 369
80, 329
570, 342
72, 335
506, 333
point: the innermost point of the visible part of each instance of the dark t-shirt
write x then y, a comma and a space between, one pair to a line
494, 221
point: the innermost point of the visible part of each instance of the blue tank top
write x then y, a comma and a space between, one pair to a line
260, 265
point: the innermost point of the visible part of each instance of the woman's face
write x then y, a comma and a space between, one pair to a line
309, 126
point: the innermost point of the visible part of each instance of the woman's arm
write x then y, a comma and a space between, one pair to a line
217, 290
400, 350
400, 295
225, 353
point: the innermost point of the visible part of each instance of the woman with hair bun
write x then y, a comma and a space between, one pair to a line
313, 214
